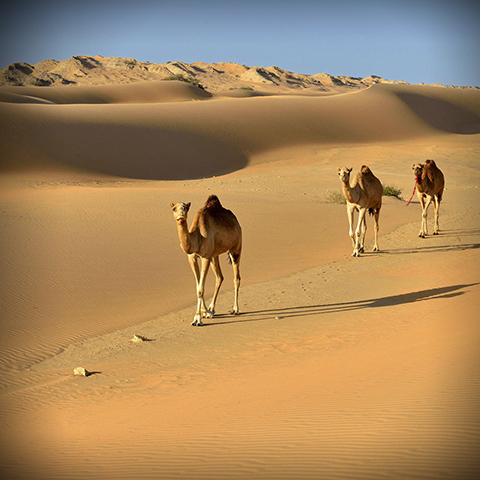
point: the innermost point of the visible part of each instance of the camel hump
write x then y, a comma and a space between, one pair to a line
213, 211
365, 175
213, 202
431, 171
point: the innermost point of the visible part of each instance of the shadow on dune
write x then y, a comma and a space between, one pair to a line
441, 114
390, 301
145, 153
460, 232
429, 249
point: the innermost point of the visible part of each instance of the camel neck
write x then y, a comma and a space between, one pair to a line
349, 193
422, 184
185, 237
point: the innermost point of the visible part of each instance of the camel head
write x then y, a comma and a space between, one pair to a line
344, 173
180, 210
417, 169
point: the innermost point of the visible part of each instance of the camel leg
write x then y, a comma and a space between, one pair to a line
425, 205
236, 281
361, 220
193, 261
421, 199
351, 233
362, 235
218, 283
197, 320
436, 205
376, 248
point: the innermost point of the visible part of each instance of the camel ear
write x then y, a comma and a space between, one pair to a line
188, 206
350, 169
339, 169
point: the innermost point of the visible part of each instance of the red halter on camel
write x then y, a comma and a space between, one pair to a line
413, 193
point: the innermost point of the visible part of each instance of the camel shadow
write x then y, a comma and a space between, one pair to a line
427, 249
307, 310
459, 233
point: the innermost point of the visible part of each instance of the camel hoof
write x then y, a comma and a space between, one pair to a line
361, 250
376, 249
208, 314
197, 322
435, 233
234, 312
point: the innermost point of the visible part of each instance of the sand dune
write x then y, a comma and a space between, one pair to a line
337, 367
185, 140
145, 92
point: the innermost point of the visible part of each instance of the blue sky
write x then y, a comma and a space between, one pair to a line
430, 41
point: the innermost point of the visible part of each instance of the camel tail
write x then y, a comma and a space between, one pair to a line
233, 257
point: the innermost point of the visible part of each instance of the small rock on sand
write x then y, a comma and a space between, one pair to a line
138, 338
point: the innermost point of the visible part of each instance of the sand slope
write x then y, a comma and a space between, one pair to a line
337, 367
144, 92
197, 139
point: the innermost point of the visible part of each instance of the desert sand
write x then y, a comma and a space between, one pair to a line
336, 367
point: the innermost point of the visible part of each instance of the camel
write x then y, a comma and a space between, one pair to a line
429, 183
214, 230
365, 193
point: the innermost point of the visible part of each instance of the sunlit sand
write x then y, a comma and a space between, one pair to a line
336, 367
